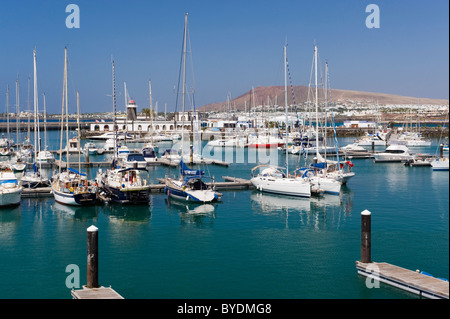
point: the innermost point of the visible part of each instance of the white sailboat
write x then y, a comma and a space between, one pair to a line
34, 178
18, 162
441, 163
190, 185
273, 179
10, 190
71, 187
316, 173
6, 142
127, 186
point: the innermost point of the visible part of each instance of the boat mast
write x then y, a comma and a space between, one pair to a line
325, 144
35, 105
126, 110
62, 113
114, 109
62, 116
28, 114
184, 80
7, 114
45, 123
17, 113
67, 109
79, 133
151, 111
317, 101
286, 109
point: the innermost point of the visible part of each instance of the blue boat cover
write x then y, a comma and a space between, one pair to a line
184, 170
319, 165
75, 171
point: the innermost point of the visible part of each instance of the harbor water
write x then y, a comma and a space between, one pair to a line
249, 245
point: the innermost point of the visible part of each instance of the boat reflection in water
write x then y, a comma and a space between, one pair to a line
320, 212
75, 212
192, 213
141, 213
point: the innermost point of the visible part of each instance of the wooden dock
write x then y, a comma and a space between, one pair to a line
231, 183
160, 161
412, 281
36, 192
95, 293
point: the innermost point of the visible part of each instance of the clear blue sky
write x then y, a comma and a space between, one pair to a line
235, 45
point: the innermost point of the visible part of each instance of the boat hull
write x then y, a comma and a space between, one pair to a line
10, 197
391, 159
266, 145
82, 199
138, 196
441, 164
328, 185
175, 190
282, 186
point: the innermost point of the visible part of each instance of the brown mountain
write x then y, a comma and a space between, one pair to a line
271, 95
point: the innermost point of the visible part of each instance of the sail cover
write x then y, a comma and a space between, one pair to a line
184, 170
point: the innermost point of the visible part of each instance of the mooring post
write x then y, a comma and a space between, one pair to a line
366, 236
92, 257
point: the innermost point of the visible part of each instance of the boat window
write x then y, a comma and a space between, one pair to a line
136, 157
198, 184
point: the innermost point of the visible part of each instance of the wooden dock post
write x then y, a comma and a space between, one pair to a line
92, 257
92, 290
366, 236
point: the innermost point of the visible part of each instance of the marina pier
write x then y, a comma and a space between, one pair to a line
416, 282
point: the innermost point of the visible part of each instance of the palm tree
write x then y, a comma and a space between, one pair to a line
146, 112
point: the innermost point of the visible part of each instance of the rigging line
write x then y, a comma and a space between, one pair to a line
179, 73
332, 114
302, 150
192, 62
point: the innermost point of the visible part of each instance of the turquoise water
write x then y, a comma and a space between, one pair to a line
250, 245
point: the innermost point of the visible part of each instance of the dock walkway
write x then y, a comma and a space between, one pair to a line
95, 293
412, 281
230, 183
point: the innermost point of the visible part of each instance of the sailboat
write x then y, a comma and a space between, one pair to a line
6, 143
10, 190
123, 185
71, 187
440, 163
277, 180
18, 162
44, 156
33, 178
316, 173
190, 185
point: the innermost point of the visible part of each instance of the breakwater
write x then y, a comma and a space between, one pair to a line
437, 131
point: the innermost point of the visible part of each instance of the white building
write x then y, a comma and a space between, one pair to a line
360, 124
144, 126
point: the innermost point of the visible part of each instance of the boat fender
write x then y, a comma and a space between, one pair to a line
187, 197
